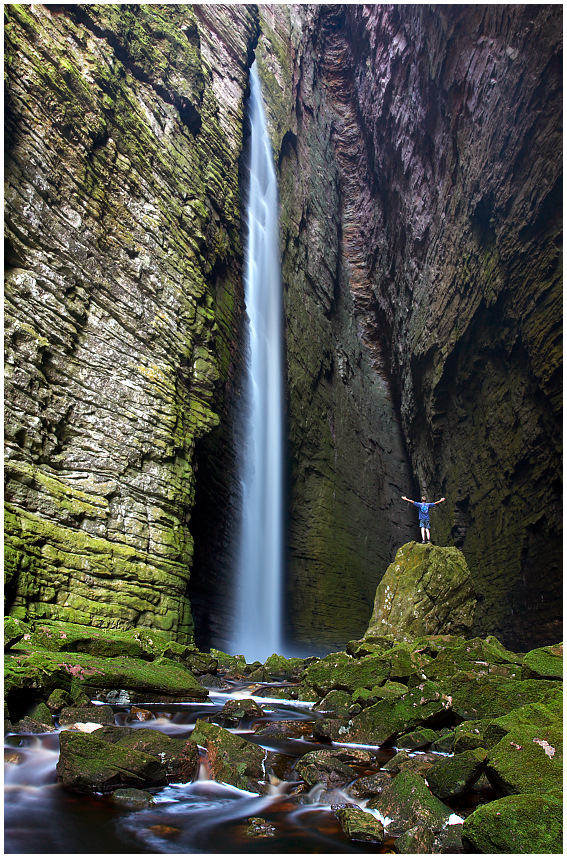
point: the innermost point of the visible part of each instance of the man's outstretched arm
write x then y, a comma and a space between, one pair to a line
440, 501
408, 500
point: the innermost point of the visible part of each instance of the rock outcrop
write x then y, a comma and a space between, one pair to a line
123, 298
426, 590
419, 152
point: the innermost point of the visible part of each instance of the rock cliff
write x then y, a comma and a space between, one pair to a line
123, 297
419, 158
419, 151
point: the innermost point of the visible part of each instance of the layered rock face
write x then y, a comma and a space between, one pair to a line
420, 161
123, 298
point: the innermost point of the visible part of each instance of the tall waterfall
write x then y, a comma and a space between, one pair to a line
258, 626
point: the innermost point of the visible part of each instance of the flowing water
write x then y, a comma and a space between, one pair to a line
257, 633
194, 818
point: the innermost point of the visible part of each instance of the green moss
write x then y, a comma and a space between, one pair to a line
530, 823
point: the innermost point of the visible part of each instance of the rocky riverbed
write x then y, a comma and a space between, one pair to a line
432, 744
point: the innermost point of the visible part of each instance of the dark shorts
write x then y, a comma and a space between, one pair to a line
424, 523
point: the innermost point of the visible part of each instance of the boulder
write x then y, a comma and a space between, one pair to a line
324, 767
259, 827
543, 663
417, 740
360, 825
132, 798
427, 590
235, 711
342, 672
453, 776
420, 764
408, 802
530, 823
335, 702
528, 759
421, 706
477, 697
231, 759
86, 715
370, 786
421, 840
112, 756
89, 764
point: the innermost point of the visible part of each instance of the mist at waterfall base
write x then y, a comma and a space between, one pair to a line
257, 630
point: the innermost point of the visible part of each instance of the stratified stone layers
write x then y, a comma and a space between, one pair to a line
348, 466
123, 295
420, 161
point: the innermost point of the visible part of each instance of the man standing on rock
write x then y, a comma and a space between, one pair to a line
424, 516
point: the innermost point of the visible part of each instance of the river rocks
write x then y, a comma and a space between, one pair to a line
531, 823
421, 840
425, 591
114, 756
453, 776
407, 802
324, 767
360, 825
101, 715
235, 711
545, 662
133, 799
529, 758
231, 759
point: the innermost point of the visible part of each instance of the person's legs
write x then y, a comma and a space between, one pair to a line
427, 531
423, 530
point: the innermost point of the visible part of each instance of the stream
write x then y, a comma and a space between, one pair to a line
199, 817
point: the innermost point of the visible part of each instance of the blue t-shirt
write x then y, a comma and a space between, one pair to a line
423, 510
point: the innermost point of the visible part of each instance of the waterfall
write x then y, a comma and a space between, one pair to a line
258, 626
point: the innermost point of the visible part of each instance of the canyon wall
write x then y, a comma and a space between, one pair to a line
419, 150
123, 298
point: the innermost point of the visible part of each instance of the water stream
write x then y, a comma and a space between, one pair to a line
258, 626
189, 818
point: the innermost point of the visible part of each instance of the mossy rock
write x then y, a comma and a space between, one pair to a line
483, 657
133, 799
530, 823
14, 631
323, 767
279, 666
476, 697
86, 715
421, 840
234, 711
528, 759
58, 699
335, 702
419, 764
454, 776
417, 740
388, 719
232, 759
71, 637
360, 825
339, 671
44, 671
544, 663
408, 802
233, 663
426, 590
88, 764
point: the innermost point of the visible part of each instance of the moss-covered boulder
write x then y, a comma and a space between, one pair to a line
453, 776
335, 702
340, 671
417, 739
408, 802
544, 663
89, 764
132, 798
123, 680
421, 706
370, 786
231, 759
427, 590
323, 767
530, 823
360, 825
235, 711
528, 759
71, 715
421, 840
476, 697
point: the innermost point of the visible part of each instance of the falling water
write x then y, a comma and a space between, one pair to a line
257, 631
